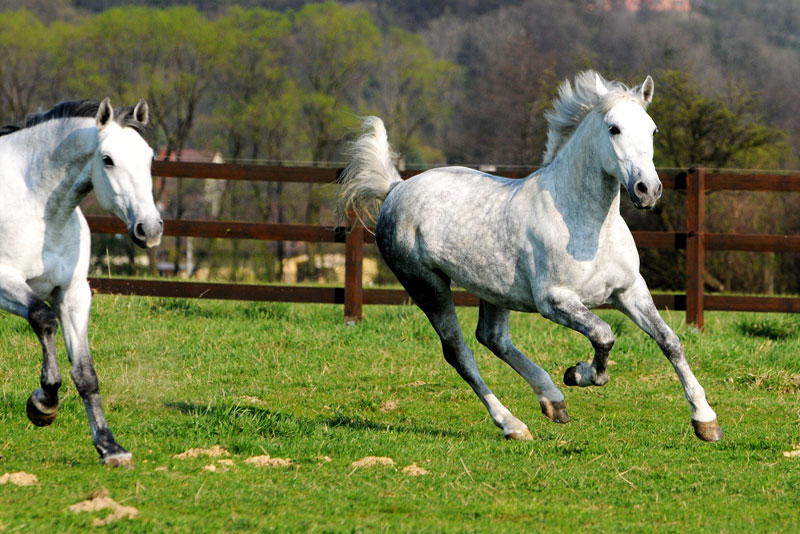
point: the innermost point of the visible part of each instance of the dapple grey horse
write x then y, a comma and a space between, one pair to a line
553, 242
47, 166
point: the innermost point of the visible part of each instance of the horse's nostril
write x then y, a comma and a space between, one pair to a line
138, 230
641, 188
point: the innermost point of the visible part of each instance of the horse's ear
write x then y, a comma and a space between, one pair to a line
647, 89
599, 85
141, 112
105, 114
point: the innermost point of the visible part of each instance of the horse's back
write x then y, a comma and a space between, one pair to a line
457, 221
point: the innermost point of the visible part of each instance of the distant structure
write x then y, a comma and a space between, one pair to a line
683, 6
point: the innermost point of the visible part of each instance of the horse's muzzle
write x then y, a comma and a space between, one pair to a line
147, 235
644, 196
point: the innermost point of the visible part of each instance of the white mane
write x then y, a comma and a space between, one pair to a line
575, 103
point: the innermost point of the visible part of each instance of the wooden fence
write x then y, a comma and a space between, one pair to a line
353, 295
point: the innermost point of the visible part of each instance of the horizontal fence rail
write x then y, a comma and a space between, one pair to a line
353, 295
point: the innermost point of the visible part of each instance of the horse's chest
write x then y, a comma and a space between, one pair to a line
50, 257
593, 271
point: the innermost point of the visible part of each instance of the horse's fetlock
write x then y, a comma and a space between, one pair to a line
600, 379
85, 380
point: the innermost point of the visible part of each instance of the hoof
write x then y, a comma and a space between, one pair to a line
37, 415
555, 411
571, 376
121, 460
709, 431
523, 435
583, 374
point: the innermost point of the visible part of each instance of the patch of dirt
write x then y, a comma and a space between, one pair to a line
267, 461
324, 459
20, 478
388, 406
414, 470
221, 466
250, 399
214, 469
369, 461
100, 500
213, 452
414, 384
793, 454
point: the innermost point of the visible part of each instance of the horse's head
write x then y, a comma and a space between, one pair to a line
626, 145
121, 173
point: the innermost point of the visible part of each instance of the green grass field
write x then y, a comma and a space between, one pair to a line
293, 382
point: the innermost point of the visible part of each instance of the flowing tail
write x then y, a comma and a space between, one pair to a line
369, 175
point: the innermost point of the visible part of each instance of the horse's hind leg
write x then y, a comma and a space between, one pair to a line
73, 308
493, 332
17, 297
431, 292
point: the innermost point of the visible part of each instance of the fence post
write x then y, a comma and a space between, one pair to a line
353, 273
695, 246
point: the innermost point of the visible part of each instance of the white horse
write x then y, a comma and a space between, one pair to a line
47, 166
553, 242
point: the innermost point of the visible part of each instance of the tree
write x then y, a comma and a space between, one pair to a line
26, 48
258, 105
411, 88
715, 131
335, 48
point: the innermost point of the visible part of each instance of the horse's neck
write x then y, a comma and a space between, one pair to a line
61, 169
580, 186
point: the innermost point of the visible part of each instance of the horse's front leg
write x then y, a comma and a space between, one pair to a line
564, 308
73, 308
16, 296
637, 303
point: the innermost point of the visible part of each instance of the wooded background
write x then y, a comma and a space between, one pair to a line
457, 82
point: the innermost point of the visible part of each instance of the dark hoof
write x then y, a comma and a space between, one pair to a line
37, 416
555, 411
570, 377
709, 431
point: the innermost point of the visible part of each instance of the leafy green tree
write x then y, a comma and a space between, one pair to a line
163, 55
26, 48
411, 89
258, 108
335, 48
715, 131
257, 101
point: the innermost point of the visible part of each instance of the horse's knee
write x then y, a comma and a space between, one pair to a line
671, 346
493, 340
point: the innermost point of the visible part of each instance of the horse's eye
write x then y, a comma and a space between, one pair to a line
107, 161
655, 131
613, 129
